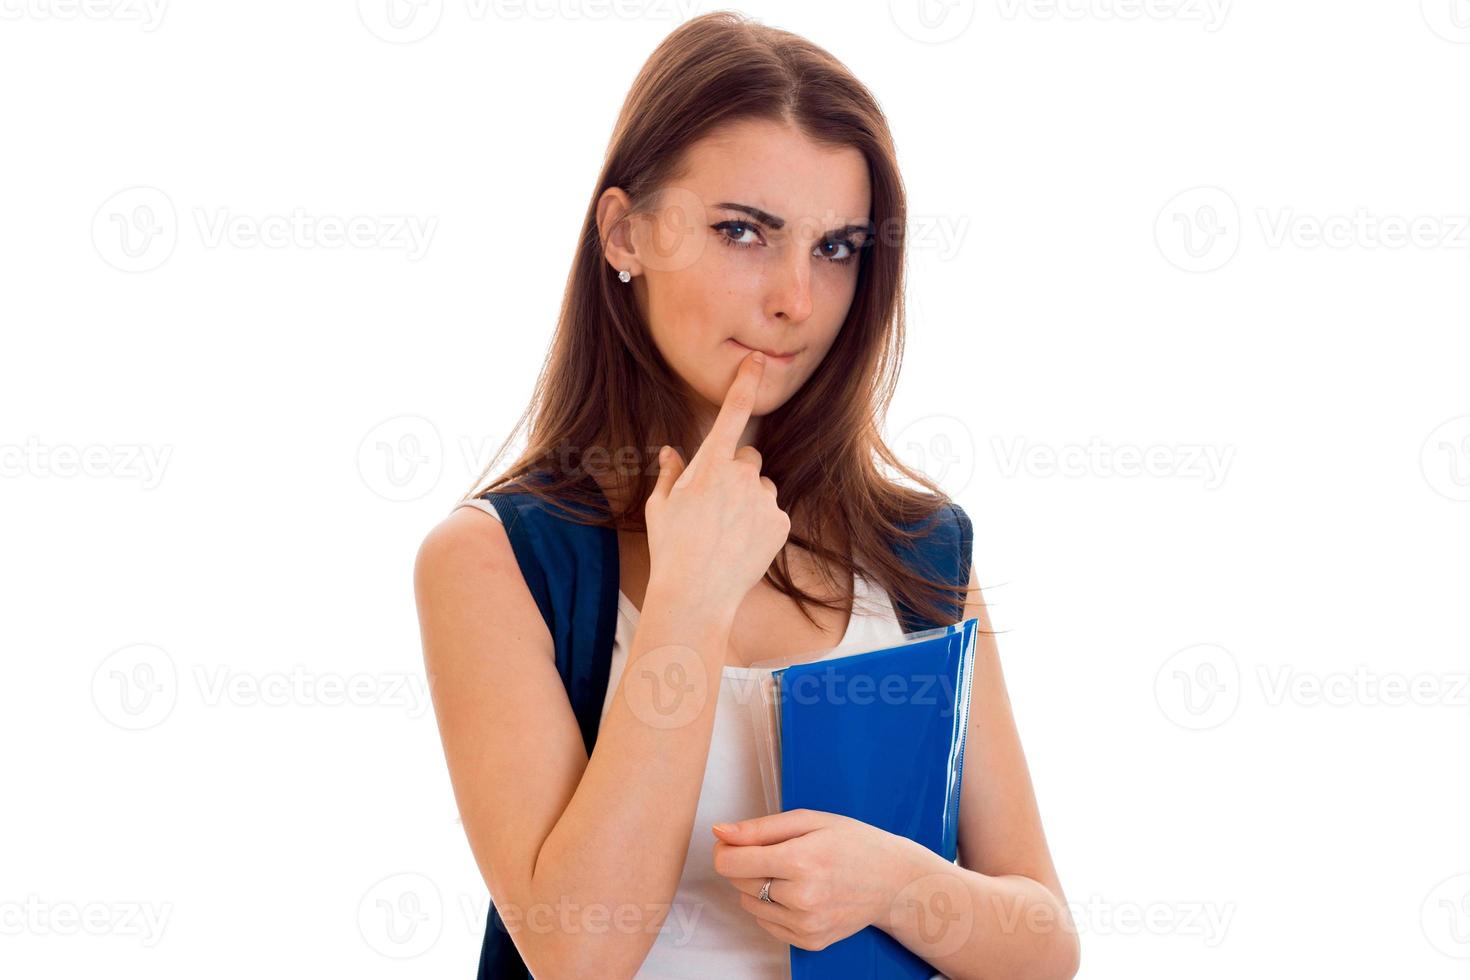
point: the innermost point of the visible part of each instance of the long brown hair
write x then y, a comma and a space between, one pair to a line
605, 400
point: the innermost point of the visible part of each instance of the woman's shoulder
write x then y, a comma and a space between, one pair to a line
475, 536
938, 514
466, 541
942, 533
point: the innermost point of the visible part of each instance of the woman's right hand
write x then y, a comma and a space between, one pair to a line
713, 525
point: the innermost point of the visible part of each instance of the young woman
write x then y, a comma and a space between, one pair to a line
704, 443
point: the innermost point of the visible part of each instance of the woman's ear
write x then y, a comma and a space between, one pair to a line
615, 230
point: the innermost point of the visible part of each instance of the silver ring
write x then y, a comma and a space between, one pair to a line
765, 895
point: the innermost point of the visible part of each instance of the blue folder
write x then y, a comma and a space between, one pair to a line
879, 737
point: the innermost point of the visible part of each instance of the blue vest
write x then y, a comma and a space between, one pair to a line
573, 573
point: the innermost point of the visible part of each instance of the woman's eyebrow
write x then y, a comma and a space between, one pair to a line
766, 218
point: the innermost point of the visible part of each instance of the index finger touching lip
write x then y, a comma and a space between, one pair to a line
724, 435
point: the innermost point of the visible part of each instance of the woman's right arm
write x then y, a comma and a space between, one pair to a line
582, 858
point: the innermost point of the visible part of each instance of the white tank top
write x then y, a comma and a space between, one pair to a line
707, 933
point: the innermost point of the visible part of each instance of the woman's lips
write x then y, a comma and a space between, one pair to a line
770, 355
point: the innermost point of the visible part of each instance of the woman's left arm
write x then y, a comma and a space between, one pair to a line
999, 911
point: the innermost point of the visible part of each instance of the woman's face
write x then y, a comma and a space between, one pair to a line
754, 247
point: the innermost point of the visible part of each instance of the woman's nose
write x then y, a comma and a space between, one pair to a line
791, 293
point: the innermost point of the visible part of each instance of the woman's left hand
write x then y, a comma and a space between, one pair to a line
833, 875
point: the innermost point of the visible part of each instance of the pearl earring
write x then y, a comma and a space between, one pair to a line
624, 275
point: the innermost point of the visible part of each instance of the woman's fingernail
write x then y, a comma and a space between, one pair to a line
758, 357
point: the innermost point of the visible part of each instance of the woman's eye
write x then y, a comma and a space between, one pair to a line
742, 234
740, 228
837, 245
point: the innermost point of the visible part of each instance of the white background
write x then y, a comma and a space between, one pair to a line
1175, 230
